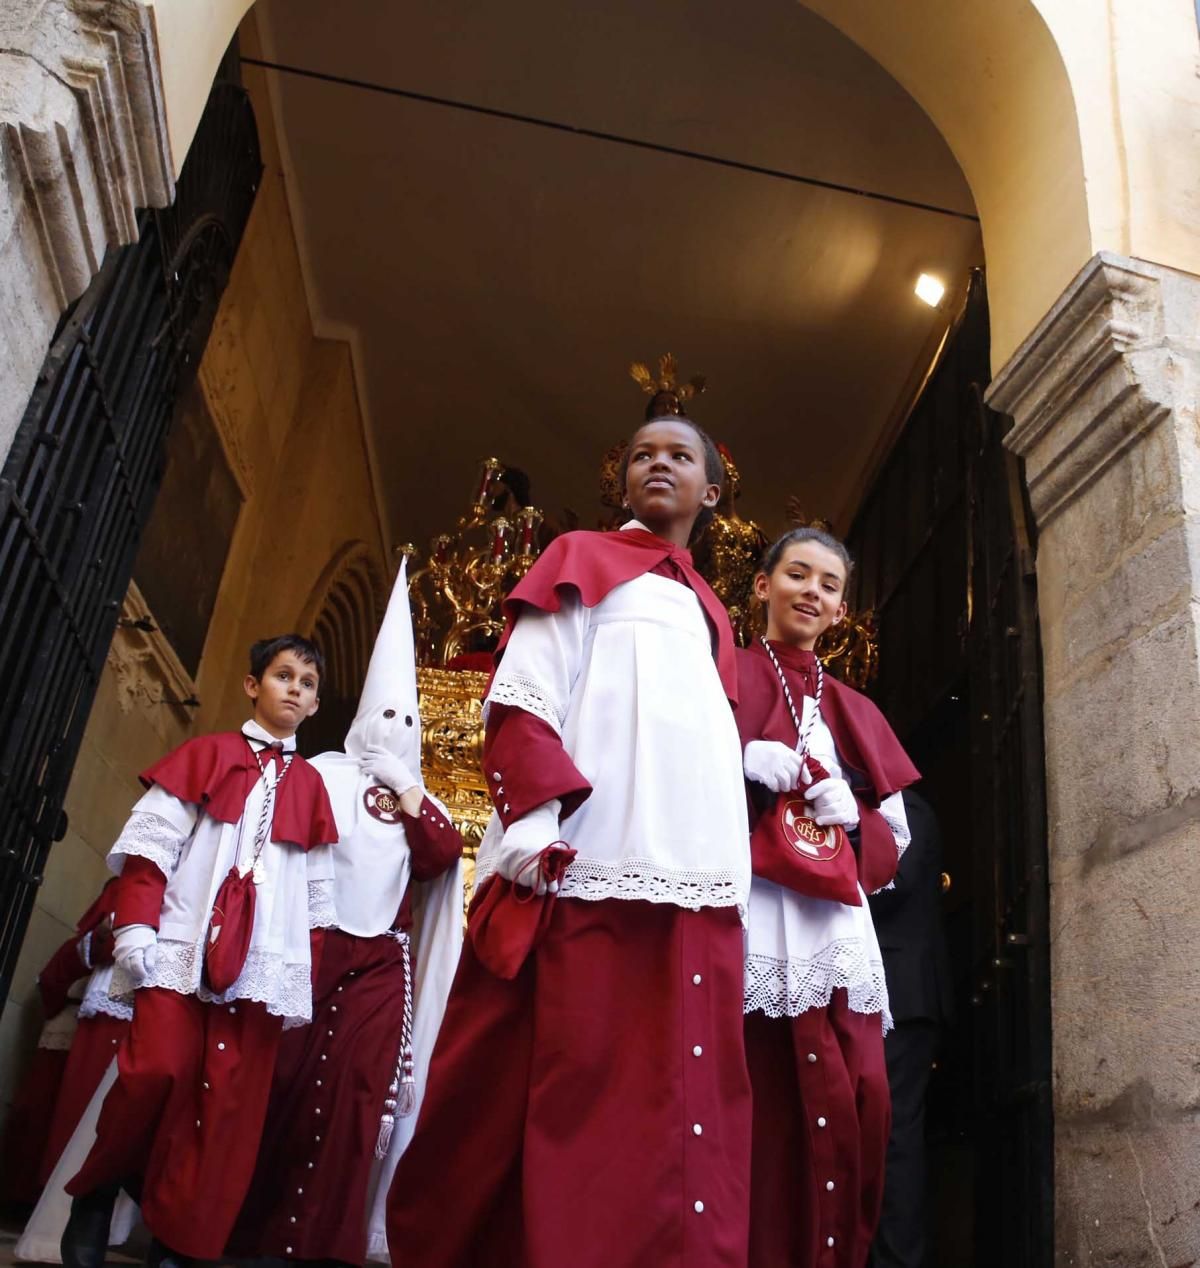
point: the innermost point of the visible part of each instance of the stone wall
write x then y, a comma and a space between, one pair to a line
1104, 397
83, 146
287, 412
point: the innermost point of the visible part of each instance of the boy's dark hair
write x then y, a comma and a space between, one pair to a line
265, 650
714, 468
806, 533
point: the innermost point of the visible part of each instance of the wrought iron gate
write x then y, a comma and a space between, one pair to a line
79, 482
945, 557
1010, 997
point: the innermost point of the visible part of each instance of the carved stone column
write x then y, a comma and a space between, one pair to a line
1104, 398
83, 145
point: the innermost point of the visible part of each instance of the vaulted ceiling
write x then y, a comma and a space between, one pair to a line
499, 275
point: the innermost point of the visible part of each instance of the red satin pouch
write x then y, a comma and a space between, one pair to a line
789, 847
508, 920
793, 850
229, 931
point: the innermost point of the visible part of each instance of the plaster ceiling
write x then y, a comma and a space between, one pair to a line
501, 276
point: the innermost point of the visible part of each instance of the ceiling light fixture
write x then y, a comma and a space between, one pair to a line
930, 290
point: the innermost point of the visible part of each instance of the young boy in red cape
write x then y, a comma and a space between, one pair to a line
588, 1101
214, 913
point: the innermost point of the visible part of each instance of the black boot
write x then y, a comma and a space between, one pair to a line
85, 1239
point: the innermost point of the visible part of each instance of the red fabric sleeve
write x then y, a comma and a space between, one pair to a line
526, 765
878, 857
433, 841
139, 893
756, 694
100, 909
63, 968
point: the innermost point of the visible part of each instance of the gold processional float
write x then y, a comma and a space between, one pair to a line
458, 592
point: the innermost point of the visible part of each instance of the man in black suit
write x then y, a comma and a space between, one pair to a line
908, 921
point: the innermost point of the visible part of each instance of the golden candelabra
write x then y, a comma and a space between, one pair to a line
457, 596
457, 605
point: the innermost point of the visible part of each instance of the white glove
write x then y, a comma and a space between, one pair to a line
382, 764
832, 802
522, 844
135, 950
771, 763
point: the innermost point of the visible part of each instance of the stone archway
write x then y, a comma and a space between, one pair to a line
1012, 125
342, 617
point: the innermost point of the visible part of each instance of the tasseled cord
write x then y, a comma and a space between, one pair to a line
402, 1091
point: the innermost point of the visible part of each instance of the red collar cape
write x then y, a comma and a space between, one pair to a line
866, 744
596, 563
217, 772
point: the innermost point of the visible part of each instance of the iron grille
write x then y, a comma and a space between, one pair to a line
79, 483
945, 558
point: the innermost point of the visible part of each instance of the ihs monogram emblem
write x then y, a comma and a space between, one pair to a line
382, 803
806, 836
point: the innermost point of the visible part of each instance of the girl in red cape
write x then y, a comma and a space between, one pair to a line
816, 1000
588, 1104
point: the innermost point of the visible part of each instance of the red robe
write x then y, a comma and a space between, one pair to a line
822, 1109
309, 1196
51, 1087
97, 1041
593, 1110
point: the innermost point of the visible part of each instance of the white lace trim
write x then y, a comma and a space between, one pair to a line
787, 988
523, 692
106, 1006
285, 989
899, 829
97, 1000
644, 880
149, 836
322, 914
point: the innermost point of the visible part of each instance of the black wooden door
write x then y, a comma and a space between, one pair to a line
79, 482
946, 559
1010, 990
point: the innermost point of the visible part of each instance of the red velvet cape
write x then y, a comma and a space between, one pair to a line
874, 762
217, 772
593, 564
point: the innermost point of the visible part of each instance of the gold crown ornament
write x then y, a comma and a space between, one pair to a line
667, 395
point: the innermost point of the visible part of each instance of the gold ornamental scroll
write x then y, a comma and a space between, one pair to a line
451, 703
